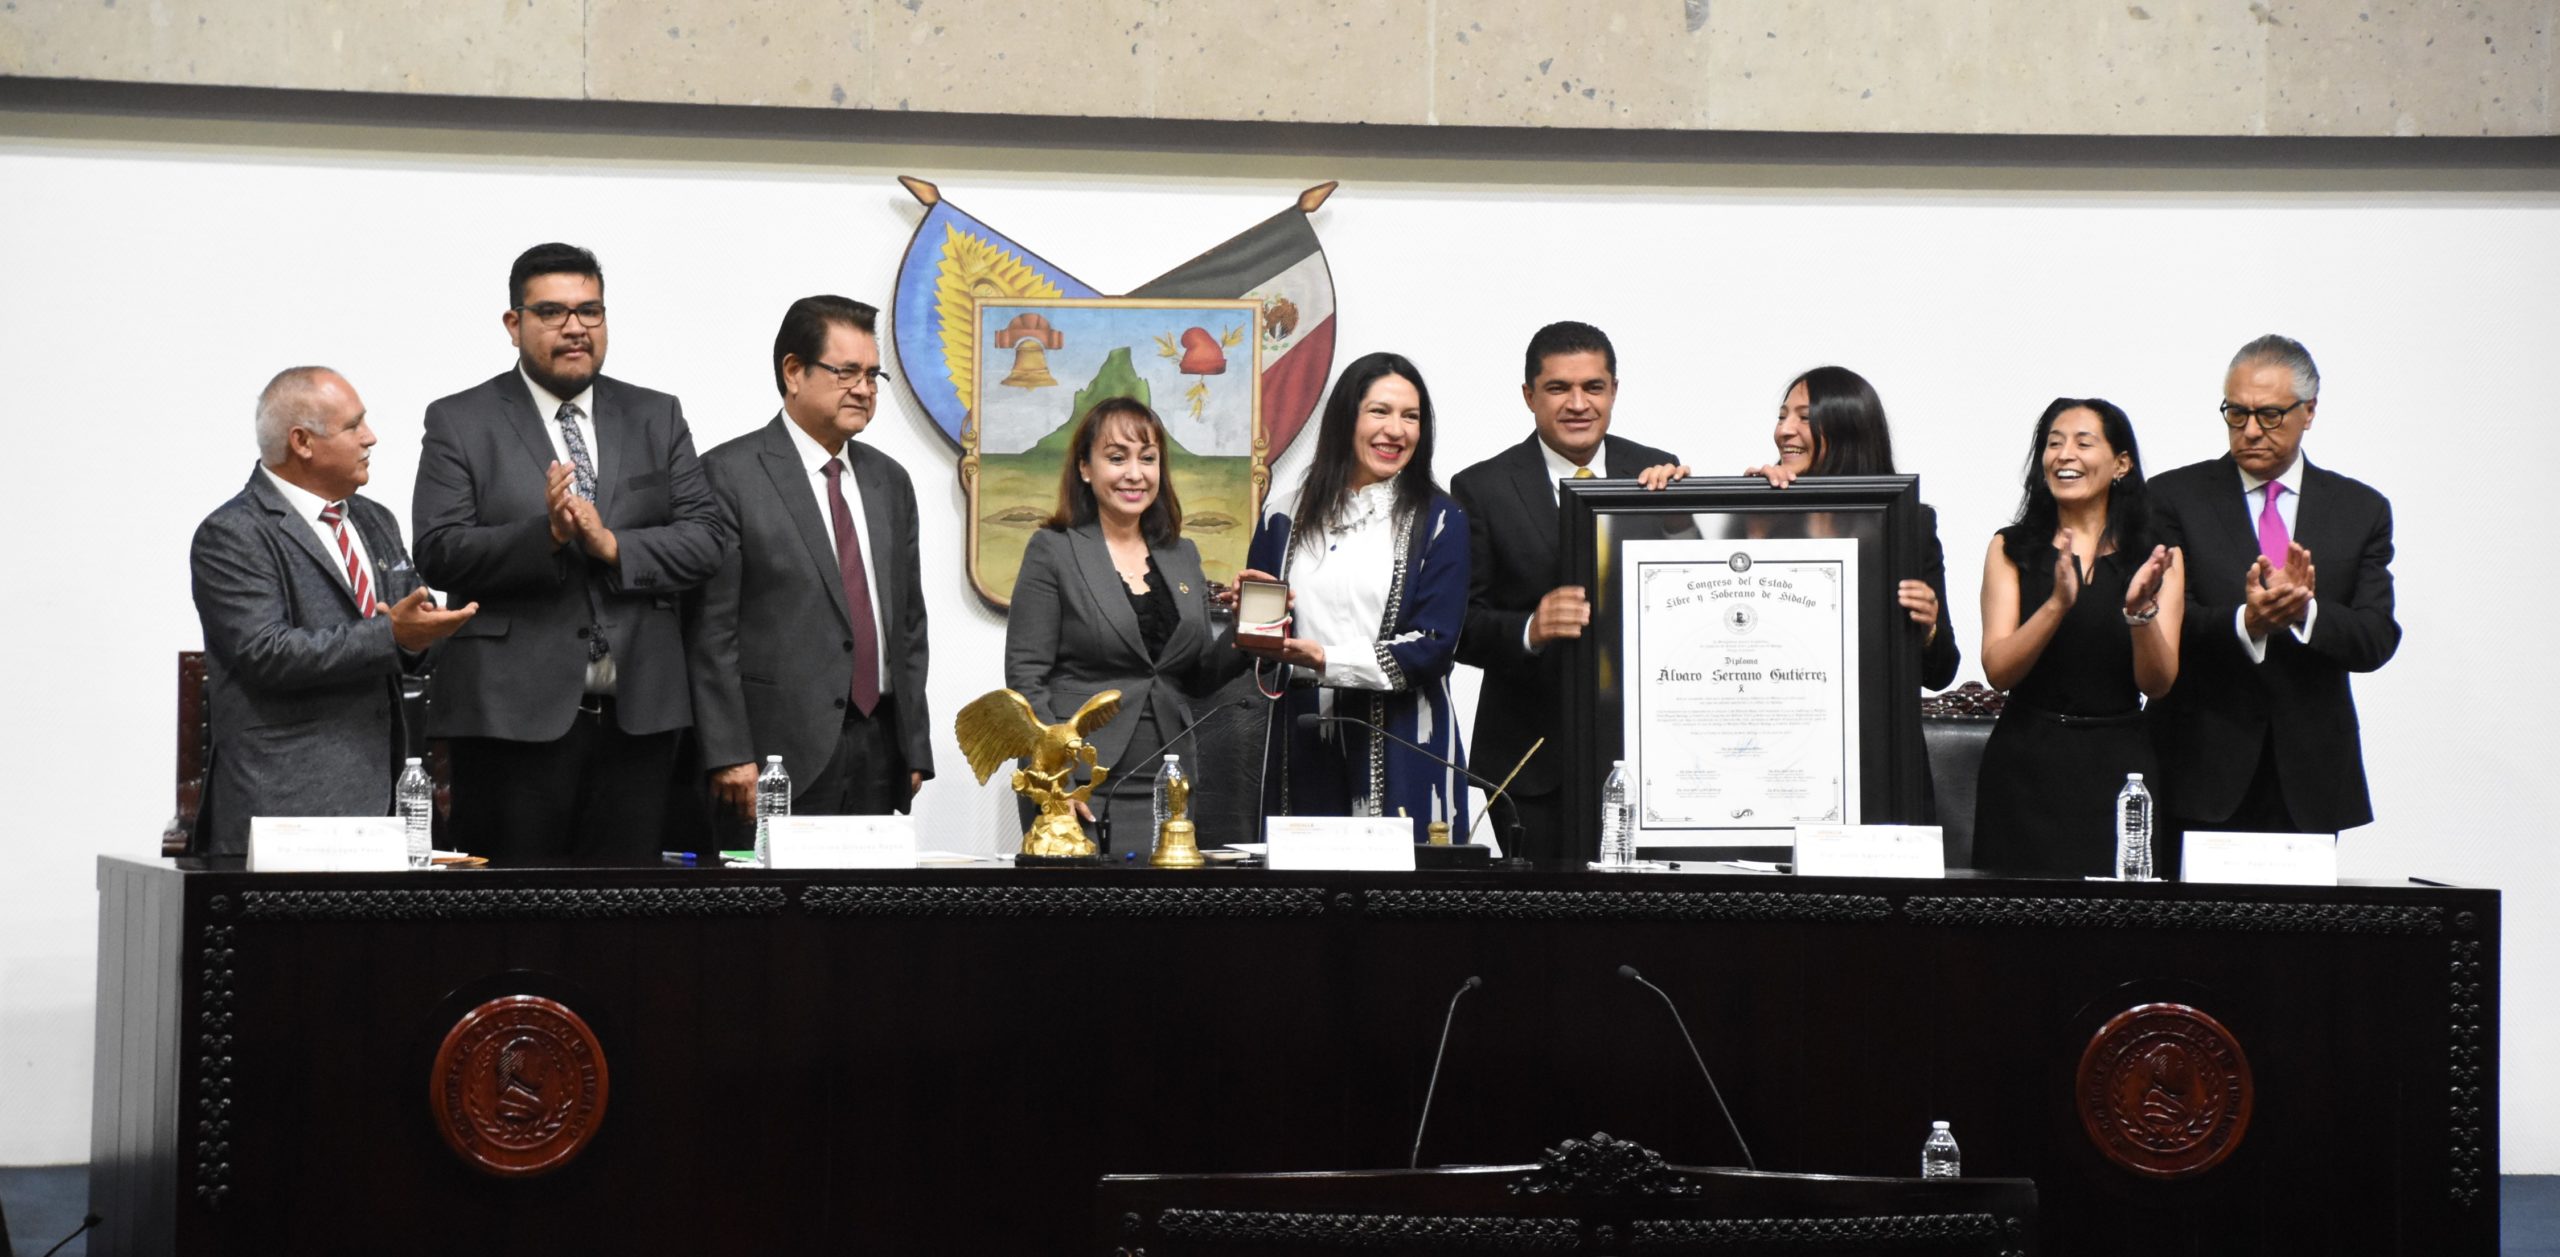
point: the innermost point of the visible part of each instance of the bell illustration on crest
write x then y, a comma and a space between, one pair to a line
1030, 367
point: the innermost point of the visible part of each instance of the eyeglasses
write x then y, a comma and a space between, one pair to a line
848, 375
552, 314
2270, 418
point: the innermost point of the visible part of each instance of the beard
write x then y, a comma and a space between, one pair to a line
562, 386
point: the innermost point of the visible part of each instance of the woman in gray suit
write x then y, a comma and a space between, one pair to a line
1111, 597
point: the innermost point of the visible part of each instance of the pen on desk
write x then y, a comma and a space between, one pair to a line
677, 857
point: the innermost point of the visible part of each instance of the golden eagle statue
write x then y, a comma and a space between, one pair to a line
1000, 725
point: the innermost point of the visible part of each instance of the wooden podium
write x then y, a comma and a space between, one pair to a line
930, 1061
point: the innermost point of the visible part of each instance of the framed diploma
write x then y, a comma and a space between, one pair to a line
1747, 657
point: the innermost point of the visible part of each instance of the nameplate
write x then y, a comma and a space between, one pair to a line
842, 842
1870, 851
2260, 859
1382, 844
328, 844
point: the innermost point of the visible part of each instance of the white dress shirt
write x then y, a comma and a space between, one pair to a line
813, 461
1339, 586
308, 505
2288, 509
601, 671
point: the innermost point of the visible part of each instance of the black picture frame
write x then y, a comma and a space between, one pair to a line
1884, 515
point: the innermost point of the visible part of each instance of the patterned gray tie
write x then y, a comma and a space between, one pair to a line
577, 442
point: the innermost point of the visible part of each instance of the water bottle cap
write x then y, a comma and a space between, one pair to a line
1617, 763
773, 759
414, 761
2133, 776
1937, 1125
1172, 759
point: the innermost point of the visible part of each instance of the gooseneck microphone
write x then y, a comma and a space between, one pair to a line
1102, 821
1629, 973
1311, 721
1470, 984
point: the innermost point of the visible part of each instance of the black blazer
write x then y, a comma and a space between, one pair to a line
1512, 527
518, 669
769, 638
2211, 725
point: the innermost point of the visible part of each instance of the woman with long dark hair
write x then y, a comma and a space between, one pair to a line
1831, 423
1376, 559
2080, 618
1111, 597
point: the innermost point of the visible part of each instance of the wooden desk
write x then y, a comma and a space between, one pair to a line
946, 1061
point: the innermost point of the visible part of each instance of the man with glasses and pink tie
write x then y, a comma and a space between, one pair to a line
2288, 592
311, 614
570, 506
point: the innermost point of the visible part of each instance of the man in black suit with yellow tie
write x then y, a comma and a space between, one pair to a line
570, 506
1518, 602
2260, 731
809, 642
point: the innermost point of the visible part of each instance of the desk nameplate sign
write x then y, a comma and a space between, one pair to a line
1333, 844
842, 842
1870, 851
2260, 859
328, 844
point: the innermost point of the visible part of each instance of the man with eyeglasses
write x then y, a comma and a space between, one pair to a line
570, 506
2288, 592
809, 643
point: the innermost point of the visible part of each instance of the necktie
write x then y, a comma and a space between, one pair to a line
585, 474
335, 516
2273, 541
1583, 473
857, 593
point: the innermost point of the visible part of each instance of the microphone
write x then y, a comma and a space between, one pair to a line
1102, 823
1310, 721
1629, 973
1437, 1057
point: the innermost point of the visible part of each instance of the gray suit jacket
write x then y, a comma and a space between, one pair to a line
518, 669
1072, 634
305, 695
770, 639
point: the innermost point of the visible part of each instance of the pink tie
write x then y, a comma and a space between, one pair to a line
2273, 541
335, 516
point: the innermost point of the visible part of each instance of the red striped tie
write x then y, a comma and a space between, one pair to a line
335, 516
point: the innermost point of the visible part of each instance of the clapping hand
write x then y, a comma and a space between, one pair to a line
2142, 594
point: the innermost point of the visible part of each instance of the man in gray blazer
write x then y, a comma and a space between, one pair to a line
809, 642
311, 612
571, 507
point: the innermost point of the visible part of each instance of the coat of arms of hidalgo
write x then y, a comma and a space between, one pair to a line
1005, 350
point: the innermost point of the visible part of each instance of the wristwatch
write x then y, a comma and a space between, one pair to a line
2137, 621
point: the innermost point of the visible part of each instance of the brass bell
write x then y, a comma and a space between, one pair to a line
1030, 367
1177, 846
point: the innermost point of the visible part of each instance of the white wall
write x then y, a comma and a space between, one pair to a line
154, 272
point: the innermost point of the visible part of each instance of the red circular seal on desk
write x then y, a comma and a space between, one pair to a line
519, 1086
2164, 1091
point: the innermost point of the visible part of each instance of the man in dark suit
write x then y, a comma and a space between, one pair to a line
809, 641
311, 613
571, 507
1518, 603
2259, 733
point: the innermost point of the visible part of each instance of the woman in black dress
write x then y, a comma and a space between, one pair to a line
2080, 615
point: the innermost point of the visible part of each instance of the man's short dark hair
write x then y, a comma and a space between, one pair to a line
804, 329
551, 259
1567, 338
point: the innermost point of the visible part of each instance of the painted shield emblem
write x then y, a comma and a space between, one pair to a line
519, 1086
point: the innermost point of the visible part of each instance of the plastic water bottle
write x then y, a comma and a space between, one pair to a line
773, 798
2133, 830
1938, 1155
417, 795
1165, 779
1617, 820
